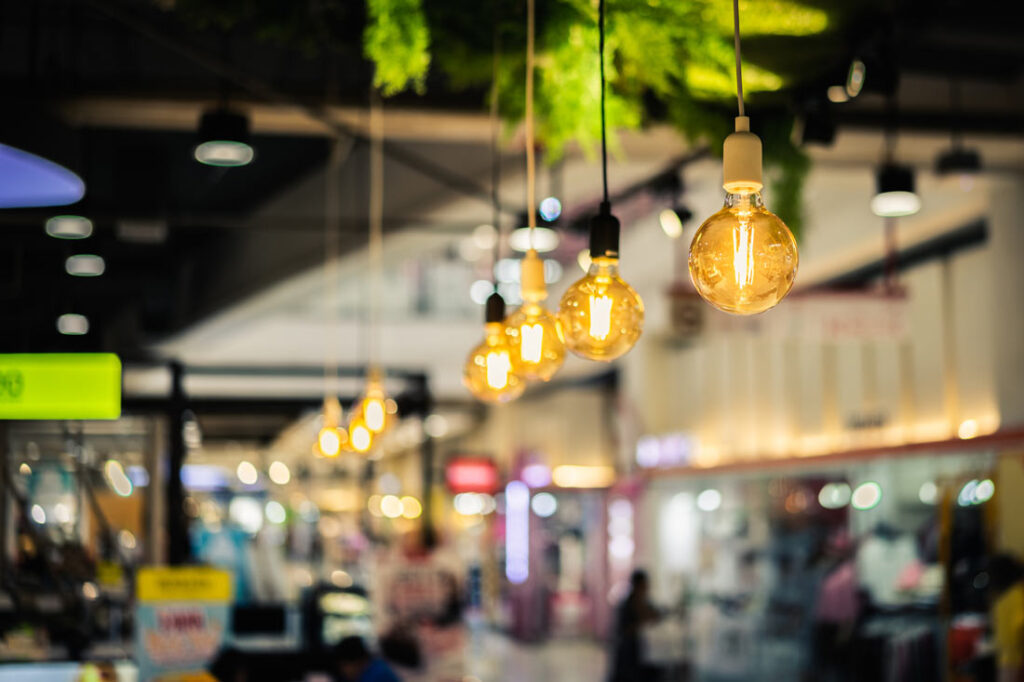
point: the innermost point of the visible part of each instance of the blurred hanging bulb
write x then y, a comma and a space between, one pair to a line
359, 436
373, 413
329, 442
601, 316
491, 372
331, 438
743, 259
374, 404
534, 334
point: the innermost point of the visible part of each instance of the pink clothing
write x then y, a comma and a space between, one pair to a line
837, 602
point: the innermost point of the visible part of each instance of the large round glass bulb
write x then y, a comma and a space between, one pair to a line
602, 316
743, 259
537, 342
491, 373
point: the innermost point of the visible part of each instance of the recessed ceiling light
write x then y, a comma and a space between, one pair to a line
69, 227
73, 324
85, 265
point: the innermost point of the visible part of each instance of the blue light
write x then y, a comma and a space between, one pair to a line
27, 180
550, 209
203, 477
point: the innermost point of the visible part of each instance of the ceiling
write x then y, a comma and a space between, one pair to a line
221, 266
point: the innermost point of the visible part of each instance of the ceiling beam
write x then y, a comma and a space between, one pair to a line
422, 125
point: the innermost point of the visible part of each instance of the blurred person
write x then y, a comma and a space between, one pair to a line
354, 663
837, 610
1007, 579
634, 614
451, 606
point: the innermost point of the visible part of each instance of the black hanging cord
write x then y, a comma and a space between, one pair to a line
495, 158
736, 50
604, 227
604, 140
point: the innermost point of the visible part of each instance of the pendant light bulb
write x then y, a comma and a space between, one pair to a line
491, 372
743, 259
534, 333
373, 407
601, 315
360, 437
331, 438
329, 441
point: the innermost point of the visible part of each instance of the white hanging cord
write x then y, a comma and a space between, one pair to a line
736, 45
531, 164
376, 242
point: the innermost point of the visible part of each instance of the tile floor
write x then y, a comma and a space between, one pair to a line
489, 657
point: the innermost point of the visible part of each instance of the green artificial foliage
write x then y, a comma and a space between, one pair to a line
397, 41
665, 60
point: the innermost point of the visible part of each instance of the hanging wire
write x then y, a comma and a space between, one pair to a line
376, 241
736, 46
604, 137
332, 227
956, 134
531, 162
332, 243
890, 134
495, 159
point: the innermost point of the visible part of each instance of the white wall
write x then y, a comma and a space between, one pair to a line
781, 384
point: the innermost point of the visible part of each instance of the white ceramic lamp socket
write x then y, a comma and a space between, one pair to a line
741, 160
532, 278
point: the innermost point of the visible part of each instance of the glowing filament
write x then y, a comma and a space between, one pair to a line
600, 316
498, 367
373, 415
532, 340
743, 255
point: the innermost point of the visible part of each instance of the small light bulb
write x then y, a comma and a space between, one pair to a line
373, 407
373, 414
537, 341
534, 333
602, 317
329, 441
743, 259
491, 372
360, 436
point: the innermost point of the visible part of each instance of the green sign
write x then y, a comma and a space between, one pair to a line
60, 386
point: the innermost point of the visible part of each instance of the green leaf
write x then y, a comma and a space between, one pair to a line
397, 41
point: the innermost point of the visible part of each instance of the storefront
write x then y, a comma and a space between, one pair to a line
874, 564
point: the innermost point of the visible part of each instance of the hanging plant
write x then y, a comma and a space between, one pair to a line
397, 41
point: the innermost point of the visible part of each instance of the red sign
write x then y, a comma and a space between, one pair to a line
471, 475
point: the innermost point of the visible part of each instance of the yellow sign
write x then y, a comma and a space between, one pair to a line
60, 386
187, 584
